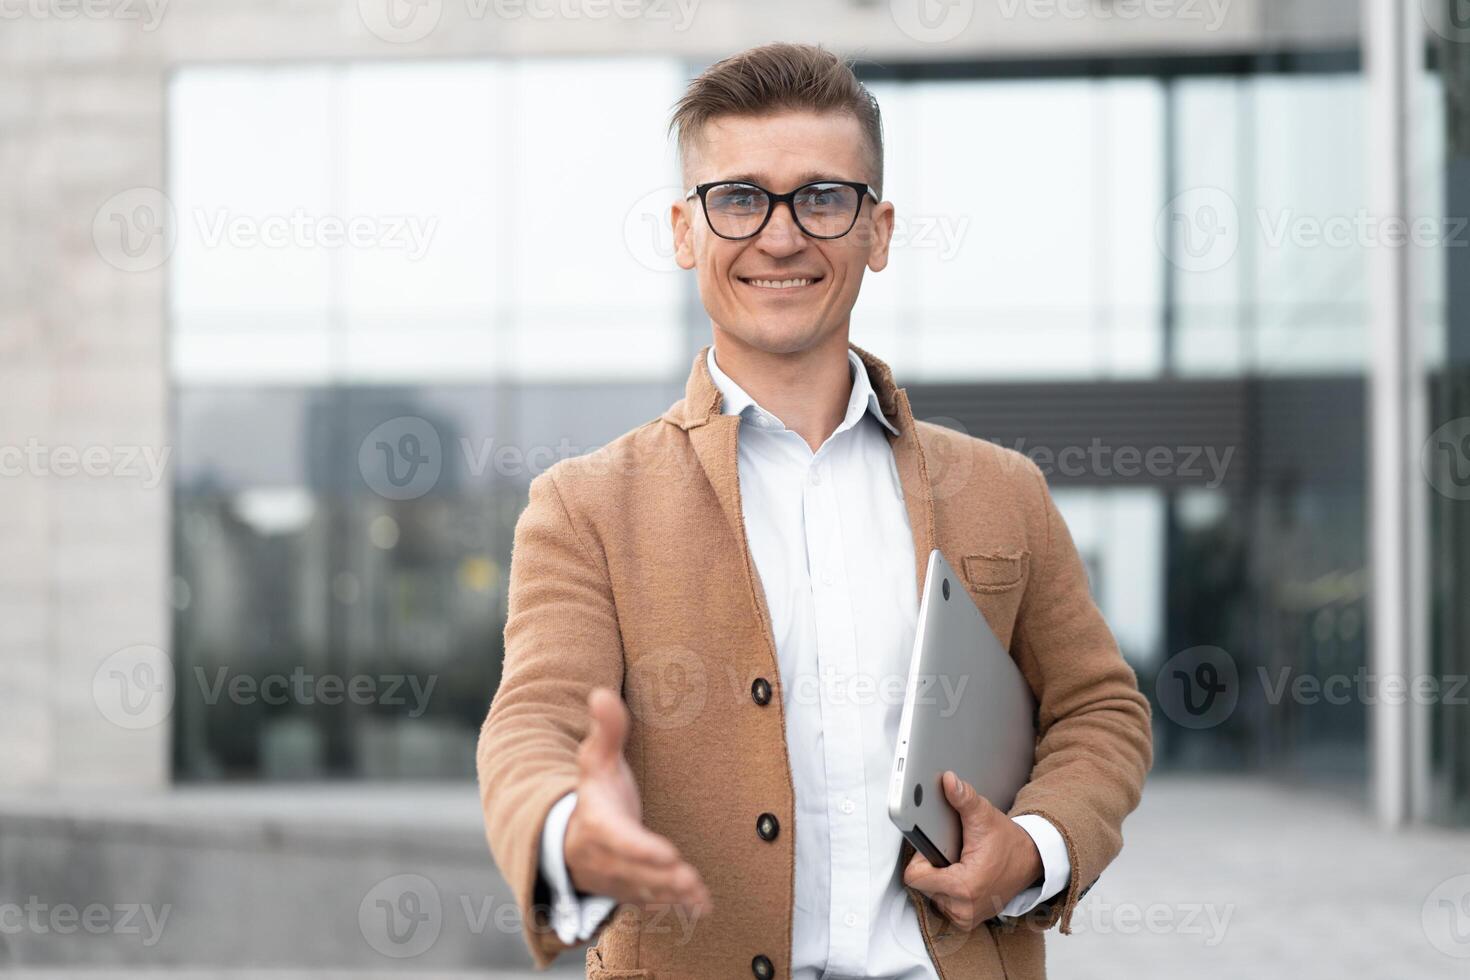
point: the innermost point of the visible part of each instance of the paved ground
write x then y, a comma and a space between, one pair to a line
1234, 879
1219, 878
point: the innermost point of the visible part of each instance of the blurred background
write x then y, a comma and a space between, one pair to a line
297, 296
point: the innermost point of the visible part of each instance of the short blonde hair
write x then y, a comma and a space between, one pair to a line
777, 77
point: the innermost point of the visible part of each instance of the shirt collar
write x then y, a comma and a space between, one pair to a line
734, 400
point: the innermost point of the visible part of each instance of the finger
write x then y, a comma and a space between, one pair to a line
679, 885
629, 840
628, 844
917, 869
603, 746
925, 877
956, 911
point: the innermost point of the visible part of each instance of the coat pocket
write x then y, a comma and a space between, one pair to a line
997, 584
996, 572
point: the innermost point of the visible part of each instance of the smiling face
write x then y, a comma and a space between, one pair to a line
780, 291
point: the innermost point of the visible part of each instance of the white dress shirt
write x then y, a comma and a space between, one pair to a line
830, 537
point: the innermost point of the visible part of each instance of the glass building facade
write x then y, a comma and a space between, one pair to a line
1108, 263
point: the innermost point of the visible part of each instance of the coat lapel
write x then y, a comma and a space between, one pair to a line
715, 438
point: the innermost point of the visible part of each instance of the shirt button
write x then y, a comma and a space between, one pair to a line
814, 478
767, 826
848, 806
760, 691
826, 578
761, 967
850, 919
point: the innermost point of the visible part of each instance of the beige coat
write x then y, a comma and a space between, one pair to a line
630, 570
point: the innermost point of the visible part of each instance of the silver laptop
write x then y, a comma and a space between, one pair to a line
967, 708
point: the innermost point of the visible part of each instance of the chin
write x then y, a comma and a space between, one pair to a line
778, 337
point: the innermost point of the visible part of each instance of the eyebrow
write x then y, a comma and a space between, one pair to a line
758, 178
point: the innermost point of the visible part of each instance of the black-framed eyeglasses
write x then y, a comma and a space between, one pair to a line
739, 209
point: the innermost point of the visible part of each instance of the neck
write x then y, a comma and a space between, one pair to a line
807, 389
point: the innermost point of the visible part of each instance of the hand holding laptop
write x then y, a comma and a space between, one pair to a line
997, 862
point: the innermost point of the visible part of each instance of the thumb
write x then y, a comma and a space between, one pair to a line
603, 746
973, 808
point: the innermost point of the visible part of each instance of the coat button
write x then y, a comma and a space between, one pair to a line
760, 691
761, 967
767, 826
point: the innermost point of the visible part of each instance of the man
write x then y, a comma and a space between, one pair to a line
689, 752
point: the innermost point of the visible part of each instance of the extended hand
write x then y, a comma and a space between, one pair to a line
608, 850
998, 861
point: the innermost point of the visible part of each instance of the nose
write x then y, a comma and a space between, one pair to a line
781, 236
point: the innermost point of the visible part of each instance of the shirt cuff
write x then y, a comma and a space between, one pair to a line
574, 919
1056, 866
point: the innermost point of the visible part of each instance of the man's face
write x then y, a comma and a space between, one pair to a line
743, 283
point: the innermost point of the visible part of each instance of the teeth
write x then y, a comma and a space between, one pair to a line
780, 283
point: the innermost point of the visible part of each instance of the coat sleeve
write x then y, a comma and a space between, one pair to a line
561, 641
1095, 744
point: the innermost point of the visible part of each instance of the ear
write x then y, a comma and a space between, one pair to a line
881, 235
681, 214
